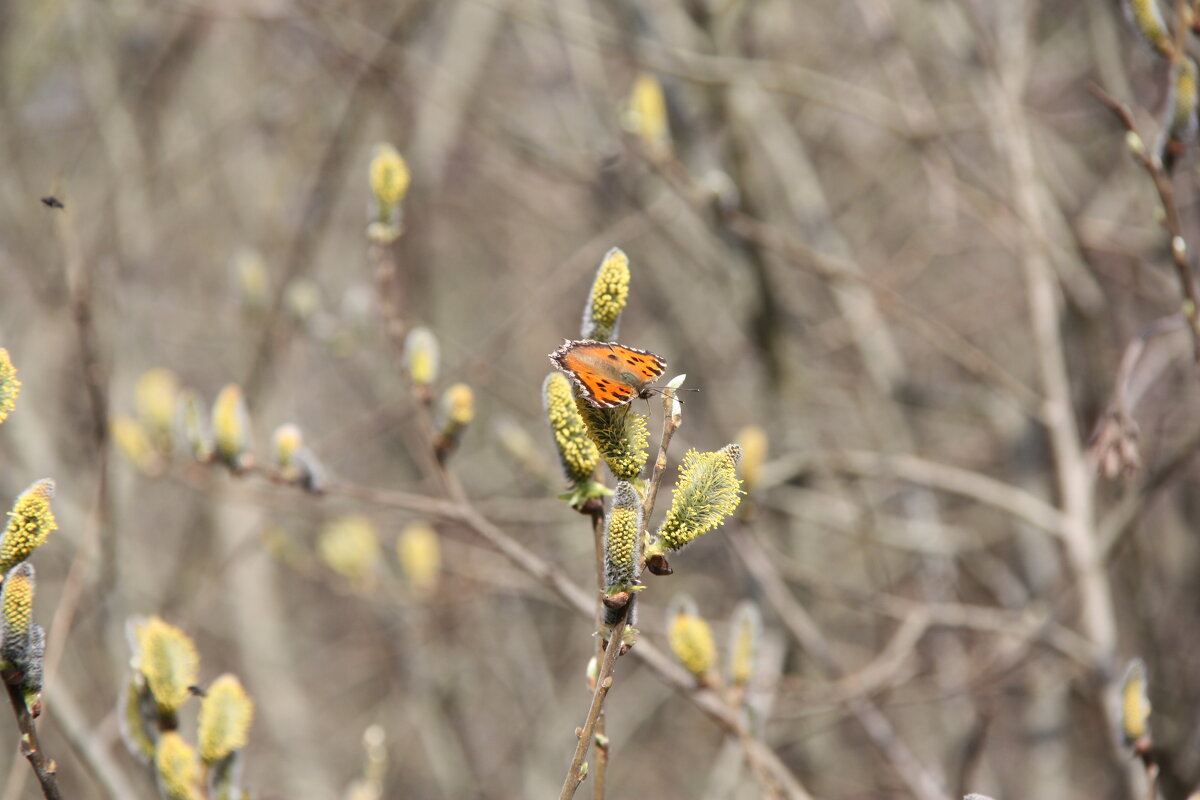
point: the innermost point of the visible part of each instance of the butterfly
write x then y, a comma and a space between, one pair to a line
608, 374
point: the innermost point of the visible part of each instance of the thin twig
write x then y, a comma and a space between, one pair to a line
576, 772
944, 477
552, 578
801, 625
604, 679
1171, 219
44, 768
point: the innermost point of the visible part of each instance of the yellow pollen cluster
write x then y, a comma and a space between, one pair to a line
458, 404
225, 716
175, 762
647, 115
30, 522
421, 356
692, 643
621, 539
18, 604
753, 440
285, 442
1185, 95
168, 659
576, 451
230, 423
1135, 703
1149, 22
131, 439
155, 398
10, 387
747, 627
707, 492
350, 547
420, 555
389, 178
610, 291
620, 434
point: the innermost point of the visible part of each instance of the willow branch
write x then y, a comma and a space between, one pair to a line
576, 772
1171, 219
43, 768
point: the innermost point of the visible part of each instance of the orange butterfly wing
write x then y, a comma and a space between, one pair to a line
601, 370
646, 366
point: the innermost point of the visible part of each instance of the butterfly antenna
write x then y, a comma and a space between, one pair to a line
661, 391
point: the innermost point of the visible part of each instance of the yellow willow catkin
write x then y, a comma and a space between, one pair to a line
457, 410
29, 523
421, 356
134, 443
576, 452
155, 398
349, 546
225, 716
691, 641
647, 114
231, 425
621, 537
132, 723
285, 443
419, 553
17, 603
168, 659
707, 492
389, 178
753, 440
610, 291
302, 298
620, 434
744, 635
10, 387
177, 768
1148, 21
1135, 703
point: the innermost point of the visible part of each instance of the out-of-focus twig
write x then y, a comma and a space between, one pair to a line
319, 202
90, 745
802, 626
944, 477
1180, 256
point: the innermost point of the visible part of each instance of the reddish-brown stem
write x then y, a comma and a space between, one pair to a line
43, 768
1180, 257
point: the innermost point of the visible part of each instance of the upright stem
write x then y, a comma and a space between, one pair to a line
601, 770
44, 768
576, 772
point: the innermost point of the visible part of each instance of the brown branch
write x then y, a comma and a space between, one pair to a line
604, 678
44, 768
1172, 222
320, 200
576, 772
920, 781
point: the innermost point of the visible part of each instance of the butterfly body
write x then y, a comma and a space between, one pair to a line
608, 374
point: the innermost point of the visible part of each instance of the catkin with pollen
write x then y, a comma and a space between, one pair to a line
610, 292
621, 534
708, 491
29, 523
